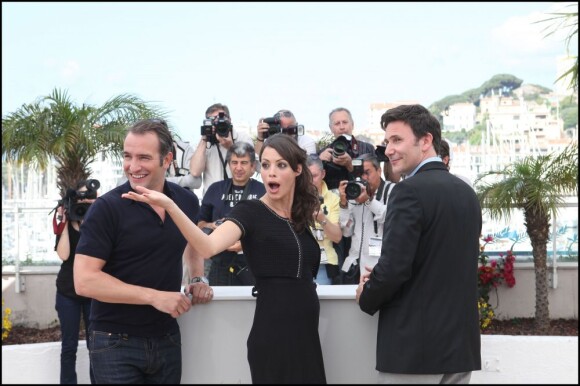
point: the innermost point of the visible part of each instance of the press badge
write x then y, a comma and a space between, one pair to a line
323, 257
375, 246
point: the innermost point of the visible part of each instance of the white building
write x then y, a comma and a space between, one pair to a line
460, 116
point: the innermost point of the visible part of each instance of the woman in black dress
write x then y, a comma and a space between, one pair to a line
283, 345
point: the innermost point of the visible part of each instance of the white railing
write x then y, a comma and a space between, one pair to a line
214, 348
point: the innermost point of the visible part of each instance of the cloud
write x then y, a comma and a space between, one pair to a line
520, 35
528, 34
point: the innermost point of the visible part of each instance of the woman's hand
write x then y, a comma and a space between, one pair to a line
151, 197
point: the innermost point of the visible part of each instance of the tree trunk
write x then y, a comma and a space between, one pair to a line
538, 228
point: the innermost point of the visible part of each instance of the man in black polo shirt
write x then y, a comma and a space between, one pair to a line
129, 261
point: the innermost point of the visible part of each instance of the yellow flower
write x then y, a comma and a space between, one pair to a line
6, 323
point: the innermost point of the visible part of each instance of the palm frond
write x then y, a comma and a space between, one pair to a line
53, 127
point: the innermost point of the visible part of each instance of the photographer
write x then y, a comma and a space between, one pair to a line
69, 305
326, 230
338, 156
284, 122
362, 216
217, 137
230, 267
178, 171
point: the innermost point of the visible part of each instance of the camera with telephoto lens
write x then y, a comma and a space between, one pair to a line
221, 124
75, 210
275, 127
355, 187
340, 146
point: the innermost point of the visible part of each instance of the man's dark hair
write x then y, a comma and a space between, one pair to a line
444, 149
159, 127
419, 118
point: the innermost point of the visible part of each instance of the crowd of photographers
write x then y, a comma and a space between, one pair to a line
352, 171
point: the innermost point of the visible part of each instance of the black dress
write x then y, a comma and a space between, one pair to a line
283, 345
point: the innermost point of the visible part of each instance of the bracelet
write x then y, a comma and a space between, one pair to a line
343, 206
260, 140
323, 222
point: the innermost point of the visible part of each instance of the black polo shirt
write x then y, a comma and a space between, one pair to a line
138, 249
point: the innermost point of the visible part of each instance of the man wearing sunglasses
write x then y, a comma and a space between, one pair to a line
284, 122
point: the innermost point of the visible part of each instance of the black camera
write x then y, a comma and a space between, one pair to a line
340, 146
355, 187
221, 124
75, 210
275, 127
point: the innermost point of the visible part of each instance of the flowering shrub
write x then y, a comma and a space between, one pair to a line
6, 323
490, 275
486, 314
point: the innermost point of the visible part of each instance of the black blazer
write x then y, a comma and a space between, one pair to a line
425, 283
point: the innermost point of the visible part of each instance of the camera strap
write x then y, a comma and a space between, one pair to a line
178, 162
57, 228
223, 162
229, 192
354, 145
383, 192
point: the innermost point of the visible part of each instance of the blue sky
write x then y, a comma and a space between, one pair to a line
261, 57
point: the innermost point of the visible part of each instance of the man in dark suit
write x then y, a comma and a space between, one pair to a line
425, 282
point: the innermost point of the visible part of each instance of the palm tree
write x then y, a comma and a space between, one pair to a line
565, 20
536, 184
53, 128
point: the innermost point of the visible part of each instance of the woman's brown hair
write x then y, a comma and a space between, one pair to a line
305, 193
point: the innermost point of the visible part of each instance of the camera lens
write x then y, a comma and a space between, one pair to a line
223, 130
81, 210
77, 211
353, 190
339, 149
93, 184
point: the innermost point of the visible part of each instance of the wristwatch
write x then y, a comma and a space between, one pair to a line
199, 279
324, 222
